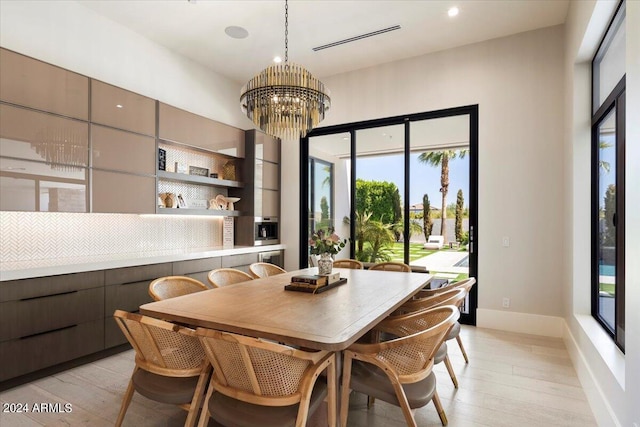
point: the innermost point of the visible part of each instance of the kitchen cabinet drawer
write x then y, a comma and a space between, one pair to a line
140, 273
122, 109
235, 261
127, 297
183, 268
32, 83
23, 356
43, 286
32, 316
113, 335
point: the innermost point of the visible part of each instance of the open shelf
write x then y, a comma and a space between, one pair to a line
187, 211
196, 179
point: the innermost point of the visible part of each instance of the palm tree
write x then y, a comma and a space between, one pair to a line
441, 158
605, 166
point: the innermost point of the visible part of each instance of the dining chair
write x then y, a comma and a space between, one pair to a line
391, 266
174, 286
465, 284
256, 382
227, 276
264, 269
348, 263
451, 297
399, 370
171, 365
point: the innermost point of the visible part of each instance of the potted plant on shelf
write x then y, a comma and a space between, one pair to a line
325, 243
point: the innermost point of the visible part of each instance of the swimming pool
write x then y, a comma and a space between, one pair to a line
464, 262
607, 270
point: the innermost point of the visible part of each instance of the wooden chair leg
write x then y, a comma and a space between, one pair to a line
404, 405
204, 415
331, 394
370, 401
198, 394
346, 384
439, 408
464, 353
126, 400
452, 374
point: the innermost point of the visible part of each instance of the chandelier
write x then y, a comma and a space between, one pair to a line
285, 100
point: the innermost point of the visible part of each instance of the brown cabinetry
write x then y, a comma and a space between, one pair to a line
120, 162
181, 126
47, 321
116, 150
115, 192
197, 268
122, 109
240, 262
36, 84
261, 196
126, 289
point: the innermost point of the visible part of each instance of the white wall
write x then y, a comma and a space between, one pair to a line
610, 378
517, 82
69, 35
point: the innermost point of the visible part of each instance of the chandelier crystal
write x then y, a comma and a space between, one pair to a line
285, 100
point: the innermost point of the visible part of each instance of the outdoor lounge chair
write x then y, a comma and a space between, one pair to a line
434, 242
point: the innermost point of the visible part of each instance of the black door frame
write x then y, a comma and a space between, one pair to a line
471, 110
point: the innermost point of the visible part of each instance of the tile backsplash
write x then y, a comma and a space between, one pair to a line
26, 236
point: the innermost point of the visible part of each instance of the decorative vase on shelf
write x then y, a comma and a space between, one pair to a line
325, 264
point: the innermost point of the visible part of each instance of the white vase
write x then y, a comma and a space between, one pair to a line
325, 264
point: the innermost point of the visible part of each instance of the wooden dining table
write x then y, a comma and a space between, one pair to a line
331, 320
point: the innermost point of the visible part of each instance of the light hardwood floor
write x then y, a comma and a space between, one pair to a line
511, 380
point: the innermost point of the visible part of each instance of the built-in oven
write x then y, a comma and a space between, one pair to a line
266, 231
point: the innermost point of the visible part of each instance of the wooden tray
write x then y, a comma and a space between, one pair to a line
321, 289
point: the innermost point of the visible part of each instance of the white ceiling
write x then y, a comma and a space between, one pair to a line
195, 29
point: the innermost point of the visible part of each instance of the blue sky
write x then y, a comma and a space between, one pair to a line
424, 178
607, 155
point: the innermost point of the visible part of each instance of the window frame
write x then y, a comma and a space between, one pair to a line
615, 100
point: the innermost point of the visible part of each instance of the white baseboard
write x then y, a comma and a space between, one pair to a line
598, 399
525, 323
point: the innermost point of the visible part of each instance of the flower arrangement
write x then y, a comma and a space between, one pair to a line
326, 241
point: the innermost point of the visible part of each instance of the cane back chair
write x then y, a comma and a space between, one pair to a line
171, 365
262, 383
399, 370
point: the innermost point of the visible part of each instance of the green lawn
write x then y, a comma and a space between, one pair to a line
416, 251
609, 288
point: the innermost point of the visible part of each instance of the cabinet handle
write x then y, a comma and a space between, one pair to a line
47, 296
48, 332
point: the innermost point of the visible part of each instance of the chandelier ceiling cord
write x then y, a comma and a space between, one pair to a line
285, 100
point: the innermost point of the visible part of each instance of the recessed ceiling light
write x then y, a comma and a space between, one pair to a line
277, 60
236, 32
119, 106
453, 11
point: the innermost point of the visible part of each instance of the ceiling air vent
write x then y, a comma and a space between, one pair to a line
360, 37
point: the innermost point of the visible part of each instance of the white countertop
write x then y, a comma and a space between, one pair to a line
52, 267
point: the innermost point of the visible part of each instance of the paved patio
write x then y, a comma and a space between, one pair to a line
443, 261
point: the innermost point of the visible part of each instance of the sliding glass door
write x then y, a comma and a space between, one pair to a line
403, 189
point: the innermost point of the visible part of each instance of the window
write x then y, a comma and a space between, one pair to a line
607, 172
